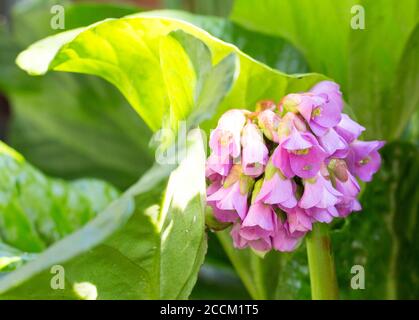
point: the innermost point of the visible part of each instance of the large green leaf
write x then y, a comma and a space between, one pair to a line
103, 50
379, 77
139, 247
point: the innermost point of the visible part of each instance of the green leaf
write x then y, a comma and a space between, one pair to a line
319, 29
383, 98
194, 86
137, 248
273, 51
213, 7
99, 50
34, 209
378, 77
407, 77
12, 258
411, 133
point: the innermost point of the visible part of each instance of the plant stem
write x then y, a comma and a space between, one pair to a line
320, 260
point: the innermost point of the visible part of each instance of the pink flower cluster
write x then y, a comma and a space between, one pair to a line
276, 171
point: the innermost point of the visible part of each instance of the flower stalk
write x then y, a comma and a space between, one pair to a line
321, 265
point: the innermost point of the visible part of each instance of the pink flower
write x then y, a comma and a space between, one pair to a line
349, 129
299, 154
287, 123
232, 195
298, 220
269, 122
284, 240
258, 226
363, 158
331, 91
350, 190
334, 145
221, 215
255, 152
220, 164
298, 166
276, 189
321, 107
319, 199
238, 241
225, 139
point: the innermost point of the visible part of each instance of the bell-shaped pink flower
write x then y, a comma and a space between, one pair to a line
225, 139
230, 198
238, 241
299, 154
331, 90
269, 122
223, 215
349, 129
283, 240
220, 164
334, 145
219, 214
322, 107
255, 153
319, 199
298, 220
287, 123
277, 189
263, 244
233, 194
349, 188
363, 158
259, 225
324, 215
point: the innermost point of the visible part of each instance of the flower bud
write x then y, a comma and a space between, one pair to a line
268, 121
265, 105
255, 152
225, 139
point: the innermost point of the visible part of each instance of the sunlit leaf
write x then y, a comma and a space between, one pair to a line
93, 51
